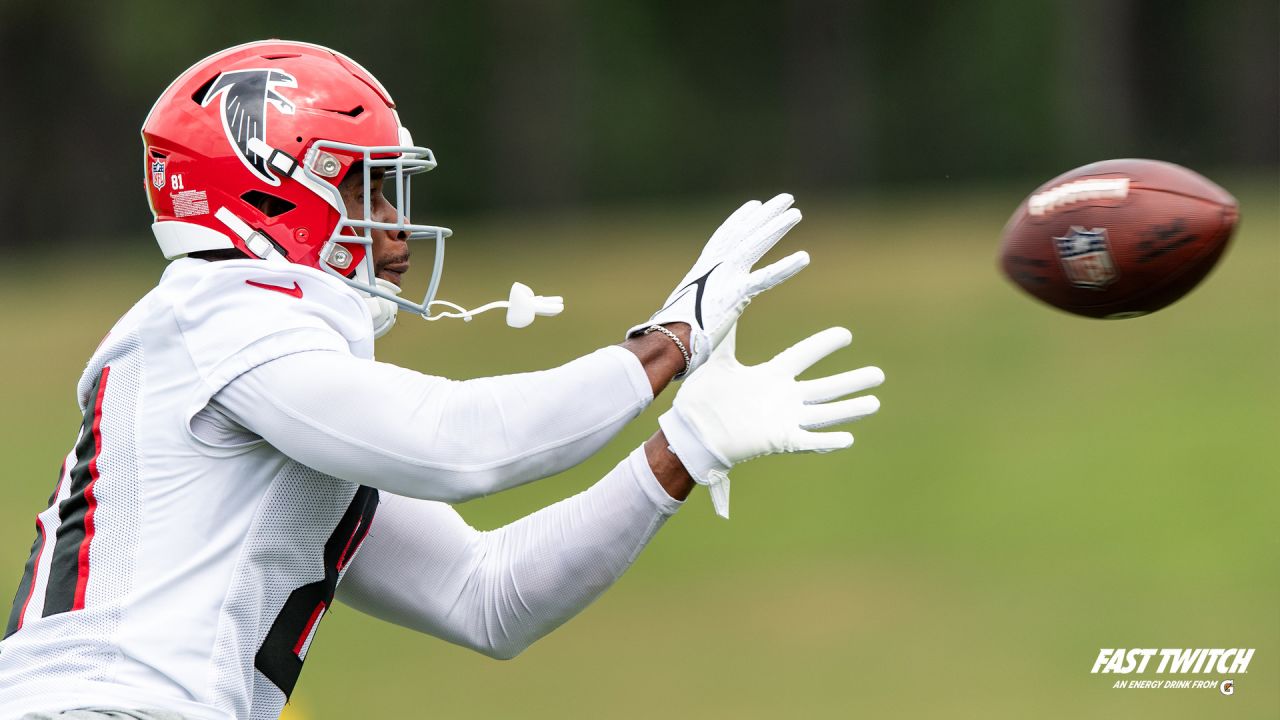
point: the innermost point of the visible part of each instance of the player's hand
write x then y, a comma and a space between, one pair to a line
721, 284
730, 412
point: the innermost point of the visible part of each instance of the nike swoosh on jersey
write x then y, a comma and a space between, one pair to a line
295, 291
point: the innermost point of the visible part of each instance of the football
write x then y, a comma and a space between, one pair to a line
1118, 238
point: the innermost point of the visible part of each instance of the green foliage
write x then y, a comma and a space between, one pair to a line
546, 104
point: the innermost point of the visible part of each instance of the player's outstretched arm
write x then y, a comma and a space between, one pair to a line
423, 567
497, 592
429, 437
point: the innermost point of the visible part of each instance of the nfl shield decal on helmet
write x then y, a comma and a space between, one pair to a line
157, 173
1086, 257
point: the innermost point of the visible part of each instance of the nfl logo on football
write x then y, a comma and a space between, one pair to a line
157, 173
1086, 258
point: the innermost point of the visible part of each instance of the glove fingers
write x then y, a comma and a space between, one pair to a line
767, 235
772, 209
846, 383
737, 218
776, 273
822, 442
813, 417
801, 356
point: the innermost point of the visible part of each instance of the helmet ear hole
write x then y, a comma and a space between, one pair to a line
267, 204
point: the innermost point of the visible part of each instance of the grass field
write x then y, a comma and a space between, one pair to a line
1036, 486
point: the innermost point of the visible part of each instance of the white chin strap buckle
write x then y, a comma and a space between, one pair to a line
522, 307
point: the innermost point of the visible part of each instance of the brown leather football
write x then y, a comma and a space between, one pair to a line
1118, 238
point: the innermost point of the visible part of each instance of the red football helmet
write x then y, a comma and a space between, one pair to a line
288, 120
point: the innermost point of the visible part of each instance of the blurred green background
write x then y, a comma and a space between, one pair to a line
1036, 487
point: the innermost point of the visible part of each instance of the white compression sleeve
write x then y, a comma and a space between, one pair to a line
423, 567
428, 437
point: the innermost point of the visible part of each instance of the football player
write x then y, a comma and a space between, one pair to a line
243, 460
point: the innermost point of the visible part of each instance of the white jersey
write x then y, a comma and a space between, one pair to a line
199, 528
191, 574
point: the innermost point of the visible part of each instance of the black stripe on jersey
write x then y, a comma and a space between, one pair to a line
276, 658
25, 589
64, 569
23, 596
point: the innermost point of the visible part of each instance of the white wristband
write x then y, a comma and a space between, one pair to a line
704, 465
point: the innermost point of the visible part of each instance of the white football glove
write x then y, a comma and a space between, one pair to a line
721, 284
730, 412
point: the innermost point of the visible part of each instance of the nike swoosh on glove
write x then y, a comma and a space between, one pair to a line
721, 283
729, 412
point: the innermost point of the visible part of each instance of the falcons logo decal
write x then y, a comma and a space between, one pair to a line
245, 96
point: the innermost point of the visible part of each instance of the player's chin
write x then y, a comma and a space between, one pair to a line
391, 276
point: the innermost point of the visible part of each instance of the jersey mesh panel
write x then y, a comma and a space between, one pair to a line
111, 552
284, 550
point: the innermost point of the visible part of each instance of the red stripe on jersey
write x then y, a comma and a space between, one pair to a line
342, 559
44, 537
306, 631
82, 579
35, 573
